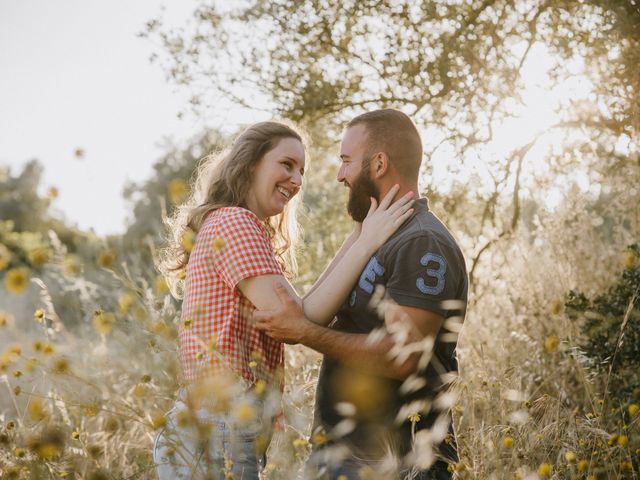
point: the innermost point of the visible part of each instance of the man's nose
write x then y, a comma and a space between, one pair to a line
340, 176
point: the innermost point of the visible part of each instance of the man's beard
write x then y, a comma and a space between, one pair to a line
361, 190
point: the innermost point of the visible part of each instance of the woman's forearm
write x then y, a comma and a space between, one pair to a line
353, 236
322, 303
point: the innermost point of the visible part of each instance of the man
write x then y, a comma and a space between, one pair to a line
387, 355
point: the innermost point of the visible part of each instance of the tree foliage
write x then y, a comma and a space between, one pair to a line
458, 68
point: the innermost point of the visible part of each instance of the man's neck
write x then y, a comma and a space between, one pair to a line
404, 188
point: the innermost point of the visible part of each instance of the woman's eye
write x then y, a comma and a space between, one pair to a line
287, 165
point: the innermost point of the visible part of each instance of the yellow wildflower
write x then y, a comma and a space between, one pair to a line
158, 421
629, 259
17, 280
19, 452
319, 438
556, 307
260, 387
39, 256
182, 274
633, 409
103, 322
544, 470
30, 364
60, 365
5, 256
623, 440
300, 443
414, 418
106, 259
218, 243
36, 410
4, 319
551, 343
17, 373
52, 193
71, 266
160, 285
125, 302
14, 350
139, 390
177, 190
570, 456
91, 409
75, 434
39, 315
243, 413
507, 442
48, 349
187, 240
583, 465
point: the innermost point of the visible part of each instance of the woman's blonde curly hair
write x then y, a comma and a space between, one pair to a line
223, 180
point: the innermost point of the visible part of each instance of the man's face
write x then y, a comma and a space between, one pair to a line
355, 172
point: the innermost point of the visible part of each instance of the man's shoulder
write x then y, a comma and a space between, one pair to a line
424, 228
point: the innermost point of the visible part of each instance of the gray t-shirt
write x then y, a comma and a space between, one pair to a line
420, 266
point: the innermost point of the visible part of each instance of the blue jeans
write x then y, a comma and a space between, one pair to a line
207, 446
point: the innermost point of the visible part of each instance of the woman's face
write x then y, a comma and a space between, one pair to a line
277, 178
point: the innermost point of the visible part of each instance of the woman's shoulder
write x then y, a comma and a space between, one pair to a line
230, 217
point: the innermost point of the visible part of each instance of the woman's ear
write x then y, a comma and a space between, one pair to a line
380, 164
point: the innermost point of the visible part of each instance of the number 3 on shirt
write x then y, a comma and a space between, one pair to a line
437, 273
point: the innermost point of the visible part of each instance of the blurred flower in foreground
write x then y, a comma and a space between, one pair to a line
106, 259
39, 315
4, 319
551, 343
125, 302
103, 321
52, 193
177, 189
71, 266
507, 442
5, 256
544, 470
629, 259
78, 152
36, 410
570, 457
633, 409
160, 285
39, 256
17, 280
188, 239
243, 413
556, 307
218, 243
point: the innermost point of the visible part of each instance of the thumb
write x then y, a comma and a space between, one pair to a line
282, 293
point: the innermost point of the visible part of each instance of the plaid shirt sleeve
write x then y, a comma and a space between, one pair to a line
242, 248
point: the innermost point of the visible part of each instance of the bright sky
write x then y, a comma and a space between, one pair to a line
75, 75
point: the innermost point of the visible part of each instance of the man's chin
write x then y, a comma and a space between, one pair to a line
358, 211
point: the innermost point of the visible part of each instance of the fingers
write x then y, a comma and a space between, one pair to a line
386, 201
373, 206
402, 218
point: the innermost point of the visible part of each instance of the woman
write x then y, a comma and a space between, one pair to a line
242, 209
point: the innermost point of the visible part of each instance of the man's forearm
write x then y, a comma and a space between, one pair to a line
357, 351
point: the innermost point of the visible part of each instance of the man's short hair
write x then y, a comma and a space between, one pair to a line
392, 132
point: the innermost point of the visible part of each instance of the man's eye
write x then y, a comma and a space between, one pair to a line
287, 165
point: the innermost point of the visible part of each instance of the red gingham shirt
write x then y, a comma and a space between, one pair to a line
216, 334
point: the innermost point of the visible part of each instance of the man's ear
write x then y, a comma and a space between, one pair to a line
380, 165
